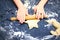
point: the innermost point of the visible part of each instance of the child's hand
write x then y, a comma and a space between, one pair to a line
39, 9
40, 13
21, 13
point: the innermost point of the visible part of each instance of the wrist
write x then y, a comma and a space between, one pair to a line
21, 6
40, 5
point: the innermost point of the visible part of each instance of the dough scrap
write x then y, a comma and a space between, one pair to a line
56, 24
32, 23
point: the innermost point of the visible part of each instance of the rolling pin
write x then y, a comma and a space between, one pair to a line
29, 17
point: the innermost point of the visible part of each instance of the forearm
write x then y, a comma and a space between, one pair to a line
42, 2
18, 3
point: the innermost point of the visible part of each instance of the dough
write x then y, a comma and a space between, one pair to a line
56, 24
32, 23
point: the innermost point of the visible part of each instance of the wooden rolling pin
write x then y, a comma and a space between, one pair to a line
29, 17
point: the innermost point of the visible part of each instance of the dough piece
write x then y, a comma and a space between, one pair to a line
32, 23
56, 24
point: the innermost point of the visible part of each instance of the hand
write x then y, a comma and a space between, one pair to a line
21, 13
40, 13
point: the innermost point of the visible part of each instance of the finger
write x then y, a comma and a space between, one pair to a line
38, 15
41, 14
44, 15
21, 20
26, 12
35, 9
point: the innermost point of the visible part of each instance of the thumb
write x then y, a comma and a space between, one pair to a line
26, 14
45, 15
35, 9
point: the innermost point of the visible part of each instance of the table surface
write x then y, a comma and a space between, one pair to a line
13, 30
